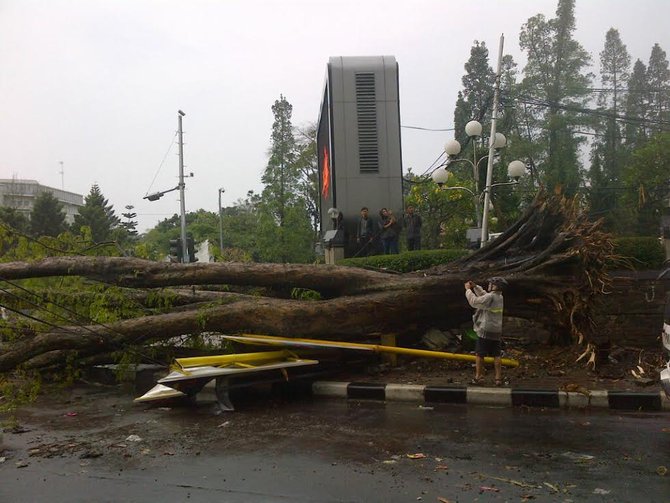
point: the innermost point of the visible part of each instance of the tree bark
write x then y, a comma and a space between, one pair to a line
552, 257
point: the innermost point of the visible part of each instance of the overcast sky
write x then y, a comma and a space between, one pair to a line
97, 84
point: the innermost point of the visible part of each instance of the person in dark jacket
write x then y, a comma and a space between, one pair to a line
365, 234
413, 226
389, 229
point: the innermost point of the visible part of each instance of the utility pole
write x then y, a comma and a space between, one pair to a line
184, 244
492, 139
221, 191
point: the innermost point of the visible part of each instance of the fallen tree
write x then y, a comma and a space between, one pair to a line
553, 258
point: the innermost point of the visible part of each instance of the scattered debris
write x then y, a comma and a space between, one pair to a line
71, 414
224, 424
604, 492
418, 455
133, 438
16, 429
513, 482
21, 464
3, 459
552, 487
483, 489
575, 388
662, 471
444, 500
577, 457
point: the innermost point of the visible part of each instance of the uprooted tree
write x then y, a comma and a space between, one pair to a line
553, 257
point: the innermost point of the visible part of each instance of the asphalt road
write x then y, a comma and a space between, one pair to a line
78, 448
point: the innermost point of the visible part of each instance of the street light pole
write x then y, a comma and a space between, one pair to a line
221, 191
184, 244
489, 167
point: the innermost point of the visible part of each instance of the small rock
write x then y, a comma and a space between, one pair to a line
21, 464
133, 438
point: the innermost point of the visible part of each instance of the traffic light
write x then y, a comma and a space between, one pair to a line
190, 246
176, 252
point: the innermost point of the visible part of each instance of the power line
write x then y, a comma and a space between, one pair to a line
589, 111
12, 230
428, 129
160, 166
628, 90
64, 318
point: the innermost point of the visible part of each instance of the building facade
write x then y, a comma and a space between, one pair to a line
21, 194
358, 141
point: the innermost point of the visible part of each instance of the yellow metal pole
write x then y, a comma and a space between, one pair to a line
221, 360
372, 347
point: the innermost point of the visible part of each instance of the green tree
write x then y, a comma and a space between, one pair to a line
98, 215
240, 227
614, 71
307, 164
648, 176
14, 219
555, 83
446, 214
636, 107
47, 217
285, 233
474, 101
129, 224
658, 80
607, 150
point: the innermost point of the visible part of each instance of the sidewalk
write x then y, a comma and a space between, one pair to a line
502, 397
434, 382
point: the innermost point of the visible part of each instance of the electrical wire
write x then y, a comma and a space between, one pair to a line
589, 111
428, 129
12, 230
69, 320
160, 166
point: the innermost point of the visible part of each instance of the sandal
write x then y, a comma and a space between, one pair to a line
499, 383
477, 382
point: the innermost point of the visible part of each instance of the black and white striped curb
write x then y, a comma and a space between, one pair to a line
504, 397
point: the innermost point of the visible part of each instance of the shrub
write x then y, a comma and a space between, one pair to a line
407, 261
640, 252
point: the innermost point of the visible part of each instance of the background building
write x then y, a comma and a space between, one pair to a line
20, 195
358, 141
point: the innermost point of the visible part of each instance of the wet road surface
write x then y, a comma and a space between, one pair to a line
80, 448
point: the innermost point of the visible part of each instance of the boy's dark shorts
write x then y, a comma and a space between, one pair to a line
488, 347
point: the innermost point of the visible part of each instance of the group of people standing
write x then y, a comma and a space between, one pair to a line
387, 232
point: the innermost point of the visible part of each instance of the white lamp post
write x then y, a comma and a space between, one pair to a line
453, 147
473, 129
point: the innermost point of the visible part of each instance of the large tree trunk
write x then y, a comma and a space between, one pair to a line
552, 257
